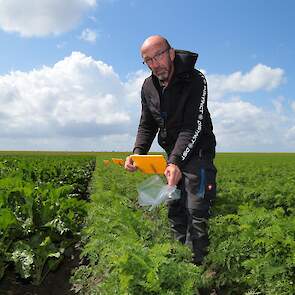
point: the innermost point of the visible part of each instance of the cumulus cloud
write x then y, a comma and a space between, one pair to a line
40, 18
78, 97
241, 125
278, 104
260, 77
88, 35
82, 104
290, 135
134, 83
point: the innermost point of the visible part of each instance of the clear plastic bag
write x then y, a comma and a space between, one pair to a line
153, 191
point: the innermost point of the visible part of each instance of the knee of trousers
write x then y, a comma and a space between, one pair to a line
198, 224
199, 229
202, 213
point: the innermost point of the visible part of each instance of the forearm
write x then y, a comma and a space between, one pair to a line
144, 139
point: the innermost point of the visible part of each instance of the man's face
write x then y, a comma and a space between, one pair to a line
159, 58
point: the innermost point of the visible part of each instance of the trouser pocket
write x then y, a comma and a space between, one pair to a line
200, 185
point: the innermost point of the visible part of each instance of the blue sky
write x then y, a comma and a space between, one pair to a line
71, 73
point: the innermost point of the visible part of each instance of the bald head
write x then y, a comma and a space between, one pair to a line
159, 56
154, 41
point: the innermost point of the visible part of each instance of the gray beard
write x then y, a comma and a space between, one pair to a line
163, 78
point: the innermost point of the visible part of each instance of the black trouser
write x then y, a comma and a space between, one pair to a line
189, 215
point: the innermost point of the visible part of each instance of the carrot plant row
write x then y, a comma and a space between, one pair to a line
252, 234
129, 250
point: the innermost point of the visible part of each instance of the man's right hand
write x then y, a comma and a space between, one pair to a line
173, 174
130, 165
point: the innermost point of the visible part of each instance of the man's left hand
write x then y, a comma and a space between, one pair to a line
173, 174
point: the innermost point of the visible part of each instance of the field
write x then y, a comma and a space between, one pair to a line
48, 207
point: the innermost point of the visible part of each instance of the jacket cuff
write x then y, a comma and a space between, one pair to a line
137, 151
173, 159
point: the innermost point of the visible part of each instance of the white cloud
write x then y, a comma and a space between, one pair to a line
290, 135
240, 125
278, 104
78, 97
82, 104
40, 18
117, 142
134, 83
260, 77
293, 106
88, 35
243, 126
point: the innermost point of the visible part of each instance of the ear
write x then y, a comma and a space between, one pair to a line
172, 54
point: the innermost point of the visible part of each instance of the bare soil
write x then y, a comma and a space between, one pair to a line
55, 283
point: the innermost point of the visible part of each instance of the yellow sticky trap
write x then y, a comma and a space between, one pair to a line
150, 164
119, 162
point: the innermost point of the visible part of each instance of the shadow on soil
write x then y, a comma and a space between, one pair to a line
55, 283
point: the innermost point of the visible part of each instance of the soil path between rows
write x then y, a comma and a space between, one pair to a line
55, 283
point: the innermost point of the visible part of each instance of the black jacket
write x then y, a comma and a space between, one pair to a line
179, 113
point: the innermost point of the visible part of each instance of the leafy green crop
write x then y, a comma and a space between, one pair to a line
252, 233
42, 210
130, 250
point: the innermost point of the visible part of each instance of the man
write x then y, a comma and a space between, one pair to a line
174, 105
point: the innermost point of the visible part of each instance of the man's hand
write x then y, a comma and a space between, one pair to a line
173, 174
129, 165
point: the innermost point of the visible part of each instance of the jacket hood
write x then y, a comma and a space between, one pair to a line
184, 60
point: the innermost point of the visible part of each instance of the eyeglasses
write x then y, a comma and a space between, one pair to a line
150, 60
